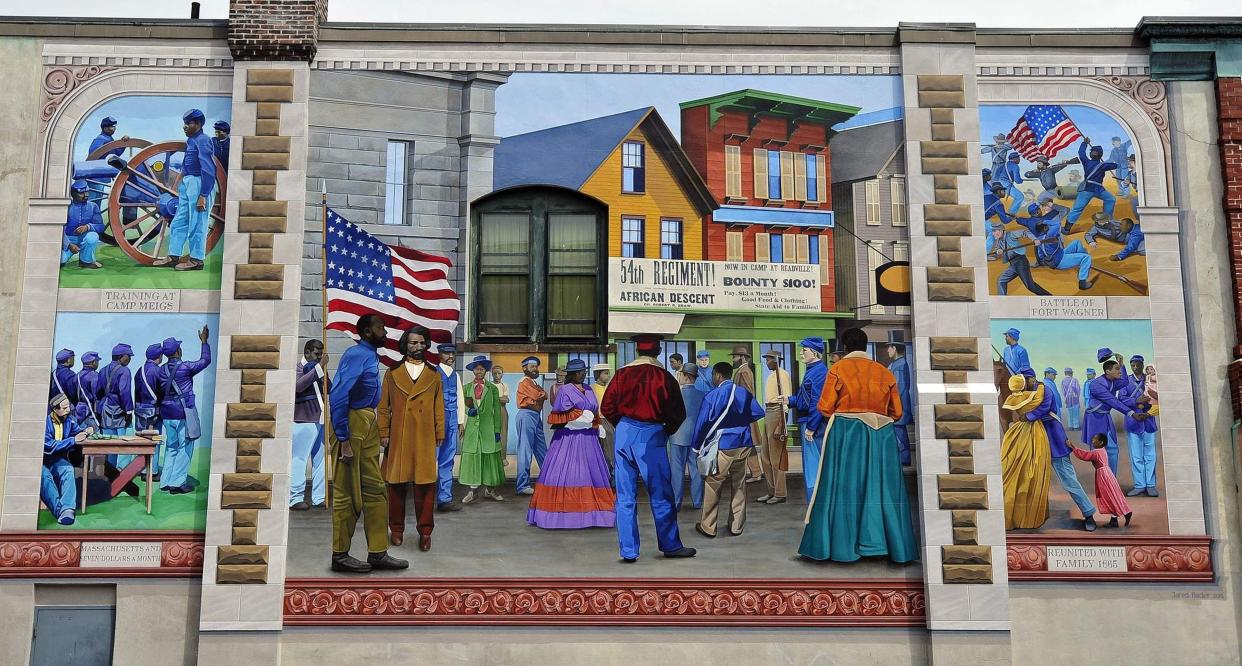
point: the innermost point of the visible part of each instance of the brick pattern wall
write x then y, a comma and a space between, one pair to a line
1229, 117
275, 29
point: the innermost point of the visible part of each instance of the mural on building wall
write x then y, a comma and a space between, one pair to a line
142, 215
1061, 198
1080, 414
694, 225
127, 443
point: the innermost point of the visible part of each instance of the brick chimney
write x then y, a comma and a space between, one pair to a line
275, 29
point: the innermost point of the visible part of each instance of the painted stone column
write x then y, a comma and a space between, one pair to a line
247, 513
959, 453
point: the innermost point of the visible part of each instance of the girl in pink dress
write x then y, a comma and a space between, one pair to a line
1108, 495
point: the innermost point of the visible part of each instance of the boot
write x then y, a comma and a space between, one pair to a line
684, 552
1136, 491
92, 265
343, 562
1084, 285
166, 262
1089, 523
385, 561
1128, 516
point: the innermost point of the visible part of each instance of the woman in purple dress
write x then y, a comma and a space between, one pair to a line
573, 489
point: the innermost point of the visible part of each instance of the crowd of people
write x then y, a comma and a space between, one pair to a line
397, 436
1037, 443
157, 401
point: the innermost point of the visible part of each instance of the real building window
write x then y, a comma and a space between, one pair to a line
812, 185
632, 245
733, 171
777, 244
573, 270
901, 252
875, 259
396, 181
670, 239
897, 194
733, 245
504, 275
774, 175
872, 200
633, 171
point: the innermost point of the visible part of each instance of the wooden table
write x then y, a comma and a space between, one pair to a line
128, 445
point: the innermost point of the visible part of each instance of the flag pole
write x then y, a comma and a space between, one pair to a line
323, 331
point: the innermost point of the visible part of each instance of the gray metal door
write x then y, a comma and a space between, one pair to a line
72, 635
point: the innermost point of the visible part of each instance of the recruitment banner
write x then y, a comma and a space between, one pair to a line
666, 284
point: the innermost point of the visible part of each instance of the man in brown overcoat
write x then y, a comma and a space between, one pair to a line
744, 376
411, 424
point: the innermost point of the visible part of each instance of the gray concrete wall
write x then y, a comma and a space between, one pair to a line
19, 106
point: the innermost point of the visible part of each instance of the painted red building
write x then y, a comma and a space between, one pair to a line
765, 156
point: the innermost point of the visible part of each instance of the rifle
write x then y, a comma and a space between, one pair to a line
1137, 285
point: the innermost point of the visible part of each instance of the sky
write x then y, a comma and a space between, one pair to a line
152, 117
529, 102
684, 12
1092, 123
1071, 343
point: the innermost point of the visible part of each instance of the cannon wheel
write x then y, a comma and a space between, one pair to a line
113, 145
145, 236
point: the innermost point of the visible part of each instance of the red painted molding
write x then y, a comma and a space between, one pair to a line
1148, 558
55, 554
642, 602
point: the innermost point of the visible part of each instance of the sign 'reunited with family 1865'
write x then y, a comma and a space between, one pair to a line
666, 284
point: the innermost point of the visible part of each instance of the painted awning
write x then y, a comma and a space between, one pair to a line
784, 217
630, 323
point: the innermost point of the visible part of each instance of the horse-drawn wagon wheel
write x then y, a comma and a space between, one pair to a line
100, 152
134, 217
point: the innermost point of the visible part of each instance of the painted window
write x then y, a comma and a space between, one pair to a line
763, 248
670, 239
777, 253
396, 181
812, 185
504, 274
875, 259
733, 171
798, 245
733, 245
897, 194
821, 178
591, 359
633, 171
825, 270
901, 252
632, 245
761, 173
872, 201
774, 175
813, 250
788, 182
626, 352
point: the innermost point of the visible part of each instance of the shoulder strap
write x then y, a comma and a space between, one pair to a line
142, 373
716, 425
56, 378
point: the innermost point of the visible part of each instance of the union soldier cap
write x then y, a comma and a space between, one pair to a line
1103, 354
1015, 156
703, 353
529, 360
223, 126
154, 351
1069, 371
193, 115
108, 121
447, 348
170, 346
815, 344
90, 356
1136, 357
1050, 370
79, 185
1014, 333
122, 350
1042, 159
64, 355
1090, 371
1028, 371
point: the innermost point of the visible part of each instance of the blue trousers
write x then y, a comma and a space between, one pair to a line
58, 490
679, 457
903, 442
180, 451
445, 455
1073, 418
307, 443
1076, 254
190, 223
1143, 458
531, 444
810, 463
1016, 199
1064, 470
640, 454
1084, 197
86, 243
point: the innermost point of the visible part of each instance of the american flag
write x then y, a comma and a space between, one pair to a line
1043, 130
402, 285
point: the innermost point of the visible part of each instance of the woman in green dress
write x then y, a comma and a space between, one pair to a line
482, 457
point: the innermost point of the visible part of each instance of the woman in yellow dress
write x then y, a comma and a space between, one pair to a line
1026, 459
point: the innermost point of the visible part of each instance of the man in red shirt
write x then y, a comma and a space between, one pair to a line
644, 402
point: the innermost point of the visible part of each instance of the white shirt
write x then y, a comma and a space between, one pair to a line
414, 370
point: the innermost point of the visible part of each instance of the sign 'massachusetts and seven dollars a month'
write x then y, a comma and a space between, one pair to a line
667, 284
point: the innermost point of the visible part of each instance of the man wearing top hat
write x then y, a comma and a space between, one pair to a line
147, 402
531, 442
220, 142
454, 426
107, 134
644, 403
196, 194
64, 379
806, 400
177, 388
83, 225
775, 457
744, 376
1104, 393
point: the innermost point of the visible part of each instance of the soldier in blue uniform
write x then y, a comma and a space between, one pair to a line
1014, 354
83, 225
994, 205
221, 143
1093, 187
90, 390
806, 401
1125, 232
1050, 388
107, 134
147, 401
999, 149
454, 425
900, 367
62, 439
117, 405
1118, 155
1010, 176
1049, 252
196, 194
64, 379
179, 412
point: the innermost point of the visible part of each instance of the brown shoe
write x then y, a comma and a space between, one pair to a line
396, 538
424, 543
166, 262
93, 264
189, 265
300, 506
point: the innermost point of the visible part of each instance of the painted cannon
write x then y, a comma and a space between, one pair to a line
128, 191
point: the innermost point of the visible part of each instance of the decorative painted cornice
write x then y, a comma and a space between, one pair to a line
58, 83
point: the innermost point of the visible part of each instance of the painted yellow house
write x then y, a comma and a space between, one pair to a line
633, 164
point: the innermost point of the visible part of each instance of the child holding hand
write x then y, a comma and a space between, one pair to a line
1108, 495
